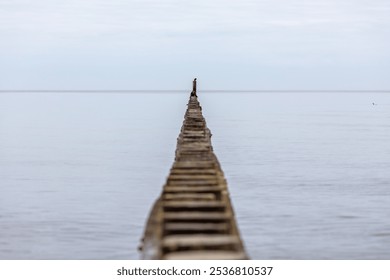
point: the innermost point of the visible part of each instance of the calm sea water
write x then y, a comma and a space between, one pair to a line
308, 172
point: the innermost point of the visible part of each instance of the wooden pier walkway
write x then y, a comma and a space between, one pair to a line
193, 218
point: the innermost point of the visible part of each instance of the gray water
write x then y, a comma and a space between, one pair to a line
308, 172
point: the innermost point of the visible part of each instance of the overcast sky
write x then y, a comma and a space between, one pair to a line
163, 44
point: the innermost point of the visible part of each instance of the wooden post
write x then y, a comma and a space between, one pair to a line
193, 93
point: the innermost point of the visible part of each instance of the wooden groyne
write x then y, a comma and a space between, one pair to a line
193, 217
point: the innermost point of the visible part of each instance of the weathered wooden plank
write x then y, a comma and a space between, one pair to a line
194, 205
206, 255
200, 241
192, 177
189, 196
192, 228
197, 216
194, 164
176, 171
193, 182
195, 189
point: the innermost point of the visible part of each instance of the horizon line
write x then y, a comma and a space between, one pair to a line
182, 90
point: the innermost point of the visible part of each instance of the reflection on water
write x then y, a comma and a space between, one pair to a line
308, 173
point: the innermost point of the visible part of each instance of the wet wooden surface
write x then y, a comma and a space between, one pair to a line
193, 218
